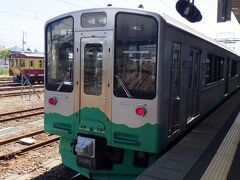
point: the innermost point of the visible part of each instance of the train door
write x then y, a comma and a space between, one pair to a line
175, 89
16, 63
193, 84
93, 74
238, 64
227, 76
31, 64
31, 67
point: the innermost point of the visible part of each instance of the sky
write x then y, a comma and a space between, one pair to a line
29, 16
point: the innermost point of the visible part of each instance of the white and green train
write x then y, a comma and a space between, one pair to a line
121, 84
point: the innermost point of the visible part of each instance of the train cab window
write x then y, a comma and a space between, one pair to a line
21, 63
233, 68
93, 57
59, 55
136, 38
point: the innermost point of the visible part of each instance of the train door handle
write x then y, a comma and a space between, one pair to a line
104, 98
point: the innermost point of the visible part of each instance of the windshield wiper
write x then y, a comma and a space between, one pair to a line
62, 82
124, 87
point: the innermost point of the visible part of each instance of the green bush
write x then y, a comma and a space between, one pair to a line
3, 71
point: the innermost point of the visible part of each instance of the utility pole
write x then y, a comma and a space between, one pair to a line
23, 42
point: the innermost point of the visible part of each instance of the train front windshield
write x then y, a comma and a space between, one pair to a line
136, 38
59, 58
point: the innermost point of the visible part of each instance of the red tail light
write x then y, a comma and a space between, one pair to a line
52, 101
140, 111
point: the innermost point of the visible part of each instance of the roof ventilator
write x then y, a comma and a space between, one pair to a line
141, 6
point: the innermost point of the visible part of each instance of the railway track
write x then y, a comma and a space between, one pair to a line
26, 148
4, 79
5, 82
18, 87
18, 93
10, 116
9, 84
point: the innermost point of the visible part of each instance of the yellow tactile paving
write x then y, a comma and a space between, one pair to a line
220, 165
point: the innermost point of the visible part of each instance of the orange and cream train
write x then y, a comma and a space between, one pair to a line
29, 64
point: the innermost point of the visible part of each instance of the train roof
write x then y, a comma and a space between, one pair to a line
167, 18
27, 55
190, 30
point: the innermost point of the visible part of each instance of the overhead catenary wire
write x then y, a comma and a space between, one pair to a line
19, 31
93, 2
71, 4
22, 16
23, 8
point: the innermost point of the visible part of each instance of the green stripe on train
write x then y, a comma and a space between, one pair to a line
92, 121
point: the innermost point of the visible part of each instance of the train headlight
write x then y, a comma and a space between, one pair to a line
102, 20
140, 111
52, 101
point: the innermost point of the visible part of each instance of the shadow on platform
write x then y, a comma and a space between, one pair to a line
59, 172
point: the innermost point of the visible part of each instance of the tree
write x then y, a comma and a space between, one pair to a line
5, 54
29, 50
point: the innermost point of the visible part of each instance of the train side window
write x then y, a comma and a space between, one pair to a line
40, 64
207, 65
214, 68
21, 63
233, 68
31, 63
218, 68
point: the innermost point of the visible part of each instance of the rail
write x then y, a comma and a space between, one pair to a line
28, 148
4, 88
3, 142
4, 117
17, 93
10, 83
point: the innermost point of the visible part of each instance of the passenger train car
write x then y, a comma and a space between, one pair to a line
29, 64
121, 84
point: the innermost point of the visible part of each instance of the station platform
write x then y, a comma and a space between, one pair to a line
211, 151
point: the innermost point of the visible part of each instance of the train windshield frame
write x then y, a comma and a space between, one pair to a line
60, 55
135, 59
